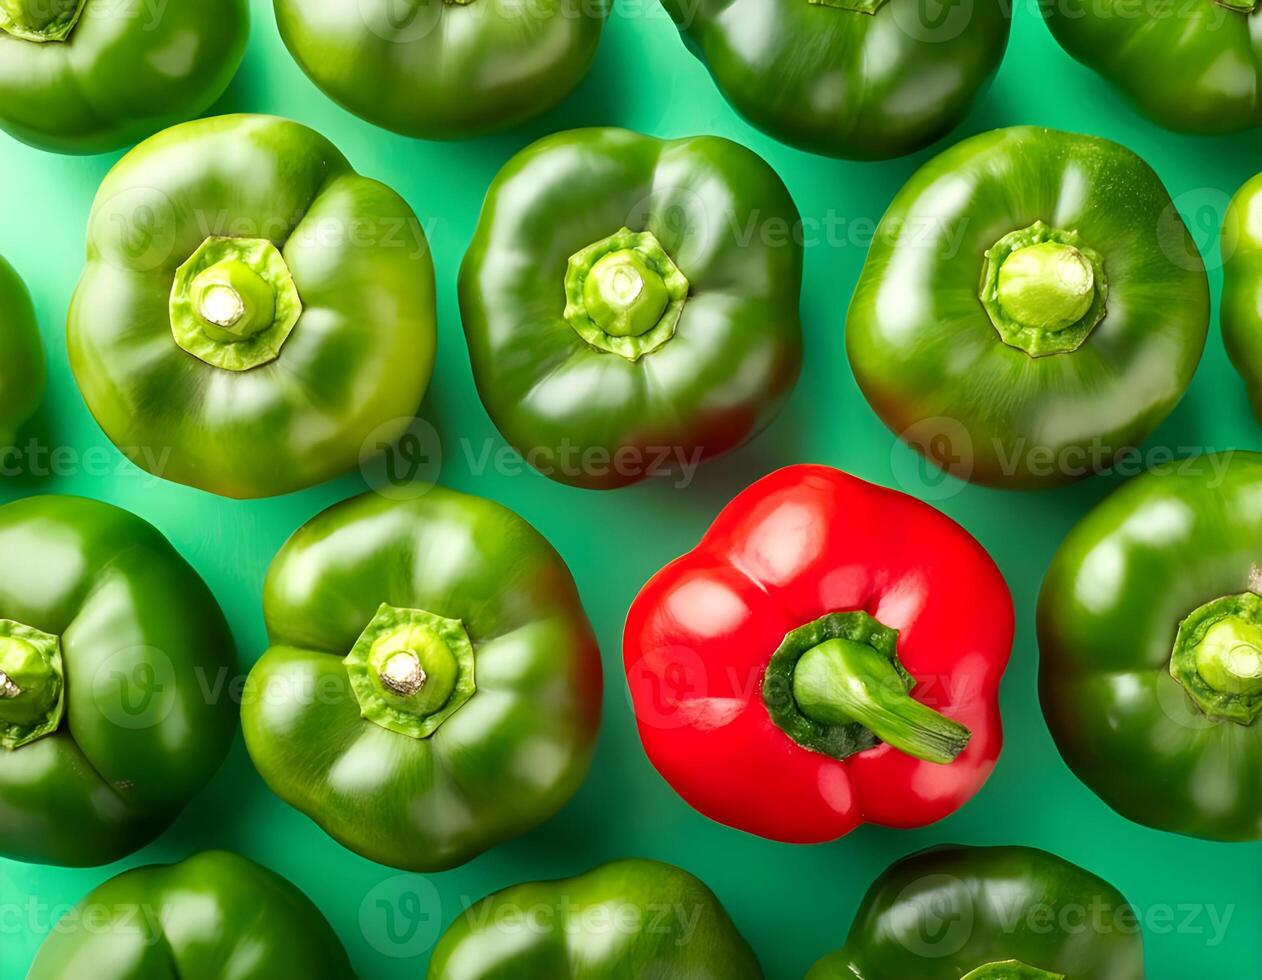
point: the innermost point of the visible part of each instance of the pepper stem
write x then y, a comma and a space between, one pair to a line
41, 21
624, 294
1218, 658
836, 686
841, 682
1011, 970
411, 670
31, 684
1048, 286
234, 301
1044, 290
1238, 6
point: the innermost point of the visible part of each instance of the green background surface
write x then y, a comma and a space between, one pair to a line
794, 903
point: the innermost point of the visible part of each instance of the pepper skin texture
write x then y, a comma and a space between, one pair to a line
631, 303
948, 912
798, 555
123, 72
1032, 306
254, 317
1158, 575
625, 920
109, 733
21, 356
878, 80
1190, 67
1242, 287
458, 678
212, 916
444, 69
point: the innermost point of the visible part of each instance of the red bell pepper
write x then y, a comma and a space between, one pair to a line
830, 654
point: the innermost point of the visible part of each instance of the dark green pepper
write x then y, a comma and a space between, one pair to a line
444, 69
21, 356
627, 920
1150, 634
433, 685
631, 305
1191, 66
861, 79
88, 76
989, 913
213, 916
254, 317
1032, 306
1242, 285
110, 645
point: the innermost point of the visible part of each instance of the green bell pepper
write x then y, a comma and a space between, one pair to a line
433, 686
1242, 284
1032, 306
627, 920
861, 79
111, 651
89, 76
1190, 66
213, 916
1150, 632
254, 317
21, 356
989, 913
444, 69
631, 305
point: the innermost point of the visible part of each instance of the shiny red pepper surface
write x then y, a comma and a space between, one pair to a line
797, 546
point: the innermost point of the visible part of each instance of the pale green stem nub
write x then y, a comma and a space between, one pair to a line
1217, 658
410, 670
624, 296
1229, 658
1048, 286
234, 302
40, 21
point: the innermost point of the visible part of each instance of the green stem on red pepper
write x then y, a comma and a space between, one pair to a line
40, 21
1218, 658
836, 687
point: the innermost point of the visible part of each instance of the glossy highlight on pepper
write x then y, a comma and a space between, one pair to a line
838, 644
